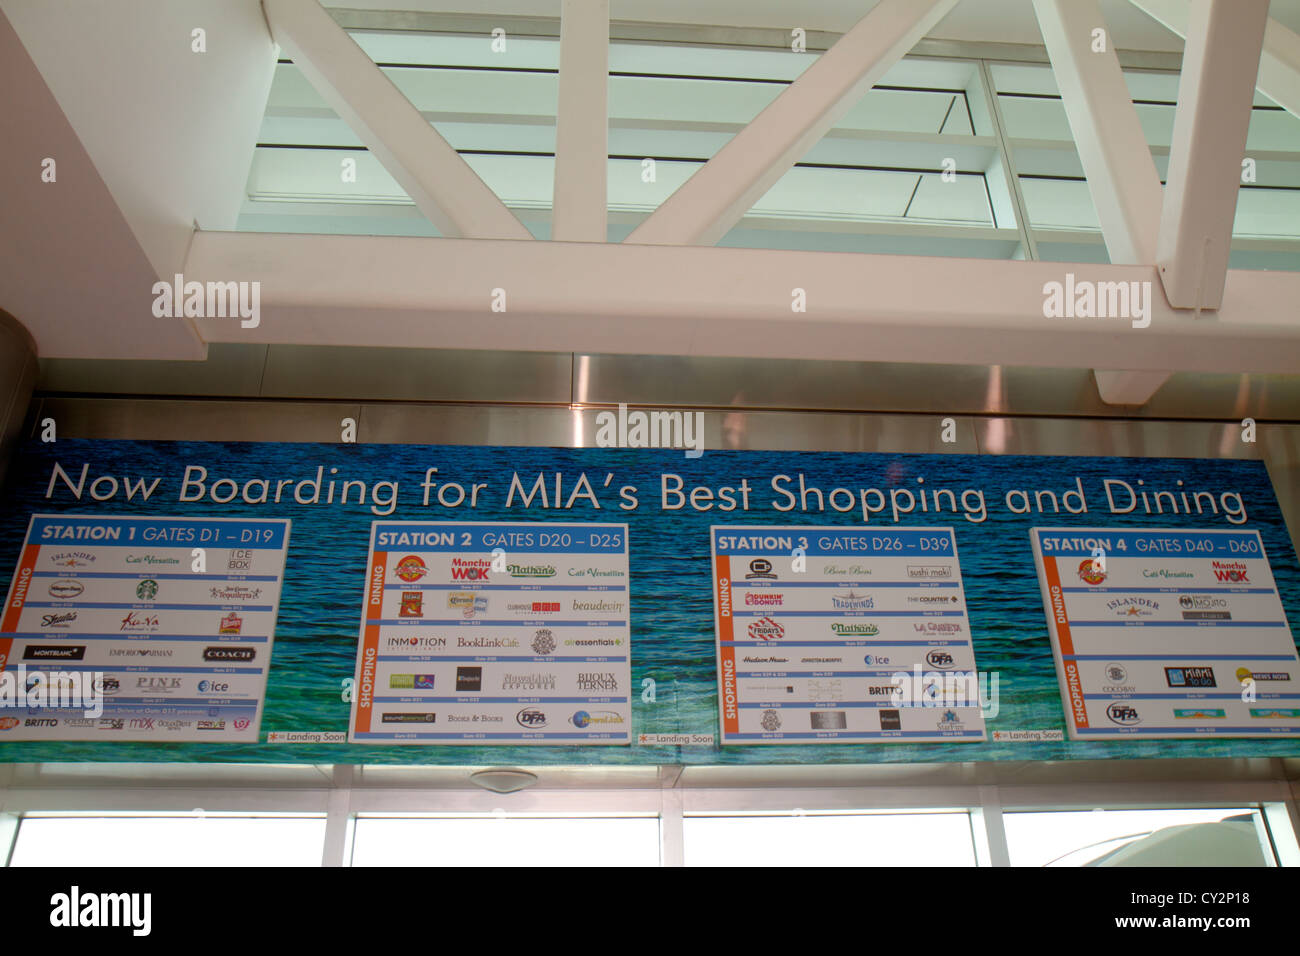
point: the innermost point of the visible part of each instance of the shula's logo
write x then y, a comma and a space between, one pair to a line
1085, 299
210, 300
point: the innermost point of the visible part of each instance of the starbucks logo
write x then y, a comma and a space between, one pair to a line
147, 589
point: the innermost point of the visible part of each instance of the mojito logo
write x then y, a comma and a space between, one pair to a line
1085, 299
127, 910
656, 429
211, 300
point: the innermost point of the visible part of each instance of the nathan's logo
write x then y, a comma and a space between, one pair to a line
1086, 299
474, 570
72, 559
229, 654
412, 604
763, 599
855, 630
140, 622
231, 623
65, 588
213, 300
531, 570
58, 620
531, 718
1124, 714
766, 629
760, 568
410, 569
1231, 571
1090, 572
1132, 607
851, 601
1190, 677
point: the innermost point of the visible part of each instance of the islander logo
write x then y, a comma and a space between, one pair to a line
147, 589
410, 569
1090, 571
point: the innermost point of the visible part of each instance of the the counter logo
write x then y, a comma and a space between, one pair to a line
1090, 572
410, 569
766, 629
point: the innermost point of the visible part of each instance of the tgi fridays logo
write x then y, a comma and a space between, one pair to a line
766, 629
235, 593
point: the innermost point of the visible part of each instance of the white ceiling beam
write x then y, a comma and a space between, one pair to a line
437, 179
718, 195
613, 297
1279, 61
1113, 150
578, 210
1215, 92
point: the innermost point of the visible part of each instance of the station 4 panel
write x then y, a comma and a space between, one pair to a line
494, 633
156, 629
1167, 633
835, 635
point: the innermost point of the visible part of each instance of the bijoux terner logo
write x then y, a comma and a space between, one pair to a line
209, 300
1085, 299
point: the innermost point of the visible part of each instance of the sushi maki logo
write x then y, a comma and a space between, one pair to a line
410, 568
1091, 571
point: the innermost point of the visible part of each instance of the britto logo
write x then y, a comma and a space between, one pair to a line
1231, 571
1090, 571
766, 629
410, 568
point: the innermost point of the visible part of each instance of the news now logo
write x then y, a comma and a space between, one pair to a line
77, 909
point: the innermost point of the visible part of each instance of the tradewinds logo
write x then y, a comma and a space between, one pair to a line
852, 601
